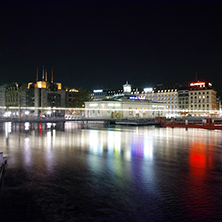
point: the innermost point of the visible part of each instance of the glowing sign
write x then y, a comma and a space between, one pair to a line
137, 98
98, 91
197, 84
148, 90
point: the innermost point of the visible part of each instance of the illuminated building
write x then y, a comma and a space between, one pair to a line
183, 99
47, 94
76, 97
149, 94
127, 88
202, 96
125, 106
71, 96
167, 95
16, 95
100, 94
2, 98
39, 94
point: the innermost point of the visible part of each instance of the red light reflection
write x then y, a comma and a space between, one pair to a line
199, 159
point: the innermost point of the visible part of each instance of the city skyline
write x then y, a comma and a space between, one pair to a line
103, 45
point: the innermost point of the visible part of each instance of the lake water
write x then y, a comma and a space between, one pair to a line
110, 173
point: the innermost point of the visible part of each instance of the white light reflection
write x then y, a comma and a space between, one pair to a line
49, 125
94, 148
82, 138
8, 129
27, 125
113, 142
94, 145
117, 139
110, 142
148, 148
49, 156
27, 153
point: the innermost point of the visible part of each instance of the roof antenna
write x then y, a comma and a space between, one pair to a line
46, 75
52, 75
43, 76
196, 76
37, 74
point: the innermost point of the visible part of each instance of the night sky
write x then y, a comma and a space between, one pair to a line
103, 44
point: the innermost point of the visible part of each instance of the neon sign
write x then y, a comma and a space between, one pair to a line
98, 91
137, 98
197, 84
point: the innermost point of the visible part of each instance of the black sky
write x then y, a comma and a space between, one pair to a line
101, 44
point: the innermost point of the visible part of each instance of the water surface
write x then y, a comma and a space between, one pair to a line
98, 173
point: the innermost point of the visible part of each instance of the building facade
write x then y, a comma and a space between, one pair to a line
2, 98
183, 99
202, 97
167, 95
124, 106
101, 94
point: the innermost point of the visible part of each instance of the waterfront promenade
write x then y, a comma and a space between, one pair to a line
123, 121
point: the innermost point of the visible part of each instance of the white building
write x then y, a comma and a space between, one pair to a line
125, 106
165, 95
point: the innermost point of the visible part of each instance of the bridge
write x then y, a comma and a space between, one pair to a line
123, 121
135, 121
